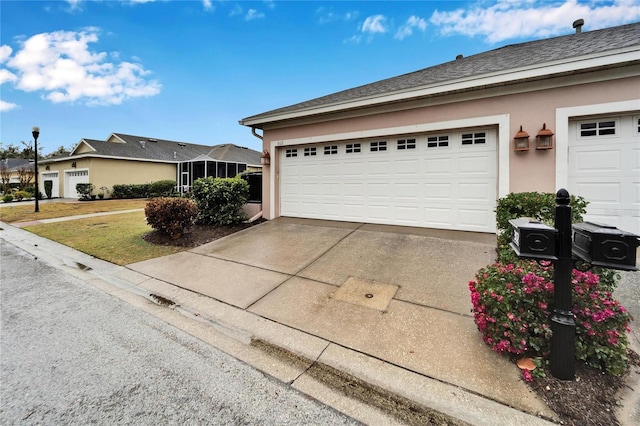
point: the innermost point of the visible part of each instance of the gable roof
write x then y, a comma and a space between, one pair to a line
540, 58
143, 148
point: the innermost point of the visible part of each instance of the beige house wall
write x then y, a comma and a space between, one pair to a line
109, 172
527, 105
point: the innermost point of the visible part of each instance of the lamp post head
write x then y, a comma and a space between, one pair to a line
35, 131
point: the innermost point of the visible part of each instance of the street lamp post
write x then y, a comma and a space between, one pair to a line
35, 131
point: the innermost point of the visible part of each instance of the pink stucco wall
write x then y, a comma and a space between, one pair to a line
529, 171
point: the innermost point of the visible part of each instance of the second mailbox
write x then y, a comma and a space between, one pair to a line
533, 240
605, 245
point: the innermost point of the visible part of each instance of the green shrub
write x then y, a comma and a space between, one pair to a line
84, 190
48, 188
162, 188
20, 195
171, 216
512, 305
220, 200
7, 198
142, 190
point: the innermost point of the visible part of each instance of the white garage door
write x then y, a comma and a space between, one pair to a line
604, 168
55, 181
445, 180
72, 178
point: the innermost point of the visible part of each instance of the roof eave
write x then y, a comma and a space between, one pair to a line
534, 71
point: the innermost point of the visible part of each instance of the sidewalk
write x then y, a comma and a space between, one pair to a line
302, 322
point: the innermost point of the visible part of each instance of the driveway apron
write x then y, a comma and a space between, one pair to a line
397, 294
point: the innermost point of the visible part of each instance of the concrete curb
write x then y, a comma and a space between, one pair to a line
345, 379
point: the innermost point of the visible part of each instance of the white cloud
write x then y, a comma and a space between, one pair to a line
374, 24
7, 106
327, 15
7, 76
5, 52
207, 5
414, 22
253, 14
508, 19
61, 65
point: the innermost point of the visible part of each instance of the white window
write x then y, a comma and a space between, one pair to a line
595, 128
352, 148
330, 149
474, 138
378, 146
291, 152
406, 144
438, 141
309, 152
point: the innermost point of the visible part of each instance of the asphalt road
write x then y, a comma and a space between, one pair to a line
71, 354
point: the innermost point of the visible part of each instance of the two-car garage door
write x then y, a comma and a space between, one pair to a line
445, 180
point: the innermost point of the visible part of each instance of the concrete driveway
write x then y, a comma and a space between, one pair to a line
397, 294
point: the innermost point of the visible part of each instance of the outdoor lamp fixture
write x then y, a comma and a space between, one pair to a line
543, 138
35, 132
521, 140
265, 158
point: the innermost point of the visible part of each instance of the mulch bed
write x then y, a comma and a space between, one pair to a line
590, 399
197, 235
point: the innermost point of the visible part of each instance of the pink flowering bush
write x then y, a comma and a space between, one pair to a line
512, 306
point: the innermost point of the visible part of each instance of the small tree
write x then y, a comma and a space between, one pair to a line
48, 188
5, 176
25, 174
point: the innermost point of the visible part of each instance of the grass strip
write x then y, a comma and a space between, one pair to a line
115, 238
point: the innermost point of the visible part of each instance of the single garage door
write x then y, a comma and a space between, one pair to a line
445, 180
71, 179
604, 168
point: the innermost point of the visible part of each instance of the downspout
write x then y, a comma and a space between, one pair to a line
259, 214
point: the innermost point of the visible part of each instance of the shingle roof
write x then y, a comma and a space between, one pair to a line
14, 164
505, 58
152, 149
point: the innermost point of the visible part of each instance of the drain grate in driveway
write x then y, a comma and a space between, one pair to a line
370, 294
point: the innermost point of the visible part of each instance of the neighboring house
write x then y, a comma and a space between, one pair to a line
127, 159
12, 168
435, 148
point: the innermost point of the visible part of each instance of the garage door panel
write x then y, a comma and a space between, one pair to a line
479, 165
597, 160
477, 192
438, 166
437, 191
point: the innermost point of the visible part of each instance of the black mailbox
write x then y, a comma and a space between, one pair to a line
533, 240
605, 245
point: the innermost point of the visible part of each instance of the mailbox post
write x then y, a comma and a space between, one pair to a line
563, 339
596, 244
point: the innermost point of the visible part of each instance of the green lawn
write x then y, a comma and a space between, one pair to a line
115, 238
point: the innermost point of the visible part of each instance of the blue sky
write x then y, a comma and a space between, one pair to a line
189, 70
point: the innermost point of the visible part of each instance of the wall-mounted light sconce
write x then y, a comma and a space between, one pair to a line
47, 168
544, 138
521, 141
73, 164
265, 158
